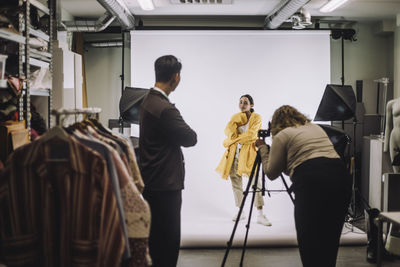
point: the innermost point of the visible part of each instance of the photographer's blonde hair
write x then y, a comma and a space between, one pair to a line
287, 116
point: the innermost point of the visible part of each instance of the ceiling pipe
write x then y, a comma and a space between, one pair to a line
105, 44
120, 11
89, 25
282, 12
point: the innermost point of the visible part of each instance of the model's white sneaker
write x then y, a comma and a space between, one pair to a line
242, 217
261, 219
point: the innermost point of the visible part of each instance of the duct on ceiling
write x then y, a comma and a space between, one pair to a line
283, 12
89, 25
120, 11
115, 9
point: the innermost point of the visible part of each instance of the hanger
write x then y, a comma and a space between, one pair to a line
100, 126
78, 126
55, 132
58, 152
88, 122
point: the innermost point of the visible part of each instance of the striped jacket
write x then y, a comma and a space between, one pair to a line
57, 207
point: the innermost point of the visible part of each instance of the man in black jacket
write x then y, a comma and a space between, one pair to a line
162, 133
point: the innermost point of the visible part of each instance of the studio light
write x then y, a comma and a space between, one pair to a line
146, 4
283, 12
129, 104
297, 23
338, 103
332, 5
301, 19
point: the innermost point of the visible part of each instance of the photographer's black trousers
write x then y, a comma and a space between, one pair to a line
165, 229
322, 190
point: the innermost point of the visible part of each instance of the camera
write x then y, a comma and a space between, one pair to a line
265, 133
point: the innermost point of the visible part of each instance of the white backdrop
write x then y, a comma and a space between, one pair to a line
274, 67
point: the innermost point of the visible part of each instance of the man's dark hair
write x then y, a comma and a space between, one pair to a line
166, 67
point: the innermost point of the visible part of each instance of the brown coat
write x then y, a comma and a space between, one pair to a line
162, 133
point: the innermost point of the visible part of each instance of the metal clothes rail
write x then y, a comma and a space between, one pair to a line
59, 113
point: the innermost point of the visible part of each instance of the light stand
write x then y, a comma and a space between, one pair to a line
353, 174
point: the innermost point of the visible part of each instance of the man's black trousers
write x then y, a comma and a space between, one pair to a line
165, 229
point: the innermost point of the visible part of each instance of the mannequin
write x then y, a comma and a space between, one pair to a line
392, 144
392, 131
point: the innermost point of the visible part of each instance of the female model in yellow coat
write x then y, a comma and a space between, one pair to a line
240, 153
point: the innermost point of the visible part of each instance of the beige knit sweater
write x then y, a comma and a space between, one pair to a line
293, 146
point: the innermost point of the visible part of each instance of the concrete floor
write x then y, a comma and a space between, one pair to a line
349, 256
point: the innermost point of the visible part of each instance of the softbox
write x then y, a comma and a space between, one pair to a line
130, 102
338, 103
338, 137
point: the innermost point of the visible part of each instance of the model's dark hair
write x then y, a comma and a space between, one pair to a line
166, 67
287, 116
250, 99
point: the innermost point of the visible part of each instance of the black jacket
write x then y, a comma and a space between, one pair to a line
162, 133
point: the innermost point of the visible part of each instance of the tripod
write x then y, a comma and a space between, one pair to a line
255, 169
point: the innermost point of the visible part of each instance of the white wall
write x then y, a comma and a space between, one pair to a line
103, 69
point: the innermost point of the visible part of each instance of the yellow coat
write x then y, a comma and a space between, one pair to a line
248, 151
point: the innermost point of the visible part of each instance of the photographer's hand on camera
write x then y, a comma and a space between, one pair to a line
260, 142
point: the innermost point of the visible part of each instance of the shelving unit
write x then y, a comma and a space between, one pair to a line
12, 36
30, 58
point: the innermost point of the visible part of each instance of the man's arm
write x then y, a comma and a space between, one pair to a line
176, 128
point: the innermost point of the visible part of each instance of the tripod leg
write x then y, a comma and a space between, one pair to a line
245, 193
251, 211
287, 189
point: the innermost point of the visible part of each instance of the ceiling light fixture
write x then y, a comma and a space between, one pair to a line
146, 4
332, 5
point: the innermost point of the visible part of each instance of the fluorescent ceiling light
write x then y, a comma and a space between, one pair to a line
146, 4
332, 5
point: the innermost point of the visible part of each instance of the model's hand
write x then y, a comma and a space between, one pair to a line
248, 114
259, 142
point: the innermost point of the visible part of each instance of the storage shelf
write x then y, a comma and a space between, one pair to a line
39, 55
12, 36
38, 63
40, 6
39, 92
32, 54
39, 34
42, 54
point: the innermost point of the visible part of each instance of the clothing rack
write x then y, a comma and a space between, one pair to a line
59, 113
